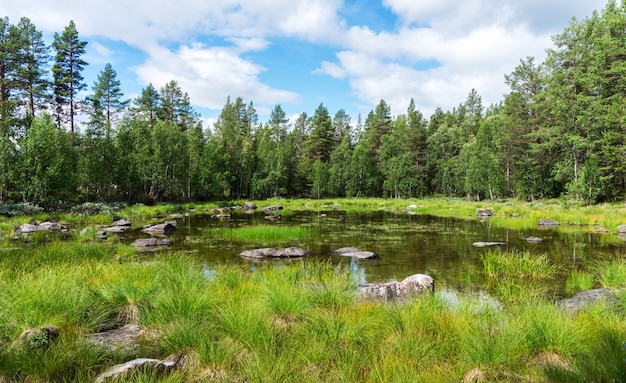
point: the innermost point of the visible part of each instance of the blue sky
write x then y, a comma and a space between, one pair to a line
300, 53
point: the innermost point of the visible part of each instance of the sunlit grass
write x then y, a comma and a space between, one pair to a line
517, 264
260, 233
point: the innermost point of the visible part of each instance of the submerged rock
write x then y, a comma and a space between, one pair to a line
354, 252
488, 244
587, 298
165, 228
534, 240
547, 223
415, 284
270, 252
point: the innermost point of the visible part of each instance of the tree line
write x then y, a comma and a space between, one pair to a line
560, 130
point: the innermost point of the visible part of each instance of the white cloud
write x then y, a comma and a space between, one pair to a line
210, 74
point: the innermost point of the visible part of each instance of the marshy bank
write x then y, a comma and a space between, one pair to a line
494, 317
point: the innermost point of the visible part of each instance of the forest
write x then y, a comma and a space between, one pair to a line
559, 132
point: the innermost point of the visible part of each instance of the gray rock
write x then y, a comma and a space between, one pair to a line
534, 240
121, 222
176, 216
165, 228
116, 229
151, 242
29, 228
621, 229
272, 218
354, 252
488, 244
410, 208
124, 338
249, 206
587, 298
145, 364
484, 213
547, 223
270, 252
415, 284
102, 235
220, 216
272, 208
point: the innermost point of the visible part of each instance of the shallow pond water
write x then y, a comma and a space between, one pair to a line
405, 244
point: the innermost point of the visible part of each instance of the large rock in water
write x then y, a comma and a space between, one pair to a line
165, 228
270, 252
587, 298
415, 284
29, 228
151, 243
354, 252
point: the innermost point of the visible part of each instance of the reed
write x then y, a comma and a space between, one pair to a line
517, 265
261, 233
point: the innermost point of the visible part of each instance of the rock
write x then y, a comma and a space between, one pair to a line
151, 242
289, 252
534, 240
475, 376
146, 364
601, 230
220, 216
165, 228
354, 252
102, 235
488, 244
587, 298
547, 223
272, 208
415, 284
123, 338
116, 229
41, 337
121, 222
410, 208
272, 218
176, 216
29, 228
249, 206
484, 213
621, 229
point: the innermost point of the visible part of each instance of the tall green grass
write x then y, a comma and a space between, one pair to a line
260, 233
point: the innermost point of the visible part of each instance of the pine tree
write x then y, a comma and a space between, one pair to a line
67, 68
32, 82
106, 101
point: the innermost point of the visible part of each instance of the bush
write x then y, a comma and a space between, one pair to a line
13, 209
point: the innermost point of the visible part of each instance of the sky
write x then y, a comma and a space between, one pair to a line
346, 54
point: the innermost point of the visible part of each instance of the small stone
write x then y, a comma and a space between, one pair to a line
488, 244
534, 240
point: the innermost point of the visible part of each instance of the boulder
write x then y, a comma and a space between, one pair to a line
176, 216
534, 240
354, 252
272, 208
124, 338
41, 337
151, 242
547, 223
144, 364
415, 284
165, 228
121, 222
587, 298
488, 244
116, 229
102, 235
410, 208
29, 228
249, 206
621, 229
270, 252
484, 213
272, 218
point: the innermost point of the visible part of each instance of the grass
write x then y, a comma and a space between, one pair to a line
260, 233
291, 322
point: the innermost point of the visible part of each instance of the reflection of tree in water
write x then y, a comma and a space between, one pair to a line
357, 273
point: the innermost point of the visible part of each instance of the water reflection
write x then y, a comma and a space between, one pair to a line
405, 244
